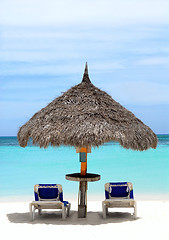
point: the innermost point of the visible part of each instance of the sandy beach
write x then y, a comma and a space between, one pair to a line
152, 222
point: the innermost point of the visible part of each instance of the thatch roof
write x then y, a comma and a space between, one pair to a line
86, 116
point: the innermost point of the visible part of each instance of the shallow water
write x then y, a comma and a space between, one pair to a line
22, 168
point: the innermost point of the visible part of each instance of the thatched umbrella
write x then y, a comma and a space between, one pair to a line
86, 117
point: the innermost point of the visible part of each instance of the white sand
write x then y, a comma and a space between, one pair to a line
152, 223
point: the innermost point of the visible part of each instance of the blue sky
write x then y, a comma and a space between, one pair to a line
44, 46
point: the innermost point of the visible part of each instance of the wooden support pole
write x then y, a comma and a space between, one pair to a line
82, 199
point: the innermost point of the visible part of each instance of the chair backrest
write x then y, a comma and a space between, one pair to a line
119, 189
48, 192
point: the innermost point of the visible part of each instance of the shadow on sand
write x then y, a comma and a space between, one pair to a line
55, 218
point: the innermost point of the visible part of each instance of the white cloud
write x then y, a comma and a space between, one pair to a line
107, 66
93, 12
35, 56
154, 61
40, 68
50, 68
139, 93
31, 84
24, 44
10, 109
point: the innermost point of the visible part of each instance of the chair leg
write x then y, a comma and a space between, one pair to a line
33, 213
68, 209
104, 210
40, 211
30, 210
63, 212
135, 210
107, 211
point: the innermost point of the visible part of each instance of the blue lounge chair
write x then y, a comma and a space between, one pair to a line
49, 196
119, 195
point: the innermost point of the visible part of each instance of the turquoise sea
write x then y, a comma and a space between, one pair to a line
22, 168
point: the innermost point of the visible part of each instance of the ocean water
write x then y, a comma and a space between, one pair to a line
22, 168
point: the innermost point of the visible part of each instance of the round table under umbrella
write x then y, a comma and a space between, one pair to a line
86, 117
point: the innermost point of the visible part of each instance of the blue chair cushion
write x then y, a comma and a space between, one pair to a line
48, 193
119, 191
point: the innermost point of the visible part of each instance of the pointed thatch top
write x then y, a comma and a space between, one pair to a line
86, 116
86, 75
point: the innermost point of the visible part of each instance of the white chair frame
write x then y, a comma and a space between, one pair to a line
119, 202
49, 205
